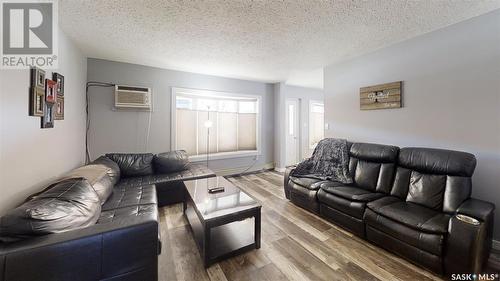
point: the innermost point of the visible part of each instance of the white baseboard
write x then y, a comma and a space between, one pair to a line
281, 170
237, 170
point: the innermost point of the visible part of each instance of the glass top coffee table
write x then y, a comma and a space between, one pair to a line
224, 224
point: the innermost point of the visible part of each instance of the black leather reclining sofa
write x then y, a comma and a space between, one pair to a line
414, 202
98, 222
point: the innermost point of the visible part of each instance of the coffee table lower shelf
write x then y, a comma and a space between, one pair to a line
224, 238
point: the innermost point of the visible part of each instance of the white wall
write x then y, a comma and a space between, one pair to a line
451, 94
29, 156
305, 95
126, 131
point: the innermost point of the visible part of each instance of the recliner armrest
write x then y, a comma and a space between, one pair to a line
469, 237
288, 172
476, 208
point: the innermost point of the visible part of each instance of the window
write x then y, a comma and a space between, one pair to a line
228, 123
316, 123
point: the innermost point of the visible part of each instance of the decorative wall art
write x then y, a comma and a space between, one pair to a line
36, 92
48, 116
37, 78
60, 83
59, 108
37, 101
50, 91
381, 96
46, 98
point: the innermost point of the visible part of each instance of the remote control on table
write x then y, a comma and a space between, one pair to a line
216, 189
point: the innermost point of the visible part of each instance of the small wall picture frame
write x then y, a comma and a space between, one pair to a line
37, 101
382, 96
48, 116
59, 108
37, 78
50, 91
60, 83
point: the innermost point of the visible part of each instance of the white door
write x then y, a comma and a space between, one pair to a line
292, 131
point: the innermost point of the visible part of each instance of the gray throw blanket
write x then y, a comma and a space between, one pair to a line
330, 161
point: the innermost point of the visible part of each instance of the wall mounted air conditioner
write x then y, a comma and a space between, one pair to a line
132, 97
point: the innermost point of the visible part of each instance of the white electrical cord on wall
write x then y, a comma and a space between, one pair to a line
87, 101
148, 132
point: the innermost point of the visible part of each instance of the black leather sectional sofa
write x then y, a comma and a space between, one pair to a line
98, 222
415, 202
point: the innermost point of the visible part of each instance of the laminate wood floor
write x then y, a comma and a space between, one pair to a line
296, 245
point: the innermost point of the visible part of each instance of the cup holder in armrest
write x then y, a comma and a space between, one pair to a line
467, 219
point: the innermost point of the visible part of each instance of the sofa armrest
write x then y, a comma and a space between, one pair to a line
288, 172
469, 238
101, 251
477, 209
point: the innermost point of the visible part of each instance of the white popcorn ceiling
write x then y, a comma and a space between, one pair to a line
267, 41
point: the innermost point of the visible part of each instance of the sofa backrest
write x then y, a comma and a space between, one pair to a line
372, 165
133, 164
65, 205
435, 178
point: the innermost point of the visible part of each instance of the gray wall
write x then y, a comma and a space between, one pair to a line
30, 157
305, 95
451, 96
126, 131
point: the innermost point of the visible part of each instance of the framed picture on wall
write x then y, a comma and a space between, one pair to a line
37, 101
60, 83
48, 116
59, 108
37, 78
50, 91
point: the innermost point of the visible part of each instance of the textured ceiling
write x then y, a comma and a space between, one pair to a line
257, 40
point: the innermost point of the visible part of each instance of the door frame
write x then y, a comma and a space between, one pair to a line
298, 128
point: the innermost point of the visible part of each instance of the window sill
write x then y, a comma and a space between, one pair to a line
224, 155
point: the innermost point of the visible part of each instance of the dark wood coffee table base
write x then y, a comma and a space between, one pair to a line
225, 237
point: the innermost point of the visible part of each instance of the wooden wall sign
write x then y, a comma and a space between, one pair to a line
381, 96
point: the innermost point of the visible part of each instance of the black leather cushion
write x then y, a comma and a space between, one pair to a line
131, 196
374, 152
194, 171
65, 205
351, 192
98, 176
427, 190
372, 165
126, 213
353, 224
304, 197
352, 208
438, 161
458, 189
417, 255
412, 215
133, 165
113, 168
439, 179
172, 161
309, 183
401, 183
429, 242
366, 174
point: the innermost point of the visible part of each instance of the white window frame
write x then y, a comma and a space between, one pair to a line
211, 94
311, 104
